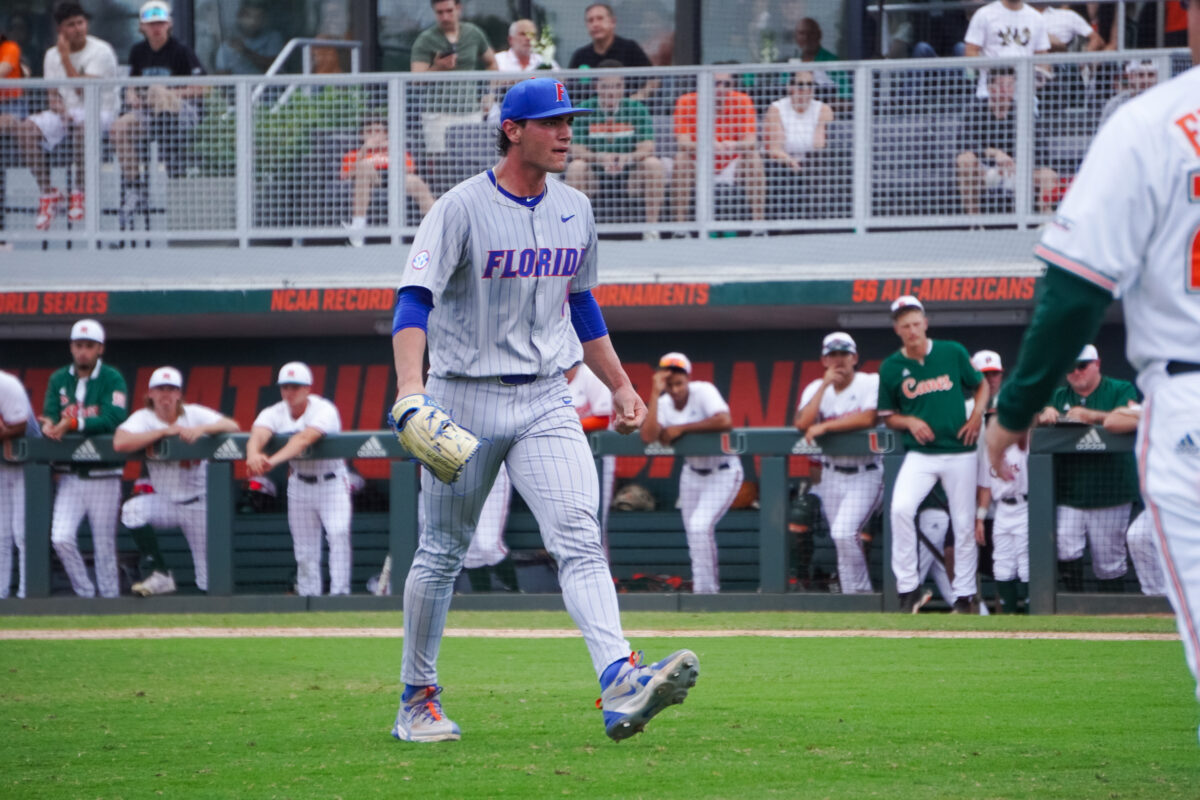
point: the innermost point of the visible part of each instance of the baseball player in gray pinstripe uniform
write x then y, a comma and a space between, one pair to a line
498, 283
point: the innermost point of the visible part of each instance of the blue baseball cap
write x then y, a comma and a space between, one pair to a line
538, 98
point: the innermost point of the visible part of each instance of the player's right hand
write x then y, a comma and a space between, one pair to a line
921, 431
659, 381
980, 534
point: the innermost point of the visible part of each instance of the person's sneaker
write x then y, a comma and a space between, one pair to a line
421, 719
912, 602
651, 236
757, 234
639, 692
963, 605
75, 207
47, 209
681, 235
157, 583
355, 232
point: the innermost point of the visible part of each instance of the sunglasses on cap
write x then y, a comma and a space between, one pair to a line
1081, 365
672, 363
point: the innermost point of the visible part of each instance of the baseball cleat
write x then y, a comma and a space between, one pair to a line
912, 602
639, 691
157, 583
421, 719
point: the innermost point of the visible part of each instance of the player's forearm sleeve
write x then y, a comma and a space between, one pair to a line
1067, 316
586, 316
413, 304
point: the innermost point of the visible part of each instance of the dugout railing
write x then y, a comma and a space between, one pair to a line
288, 160
767, 452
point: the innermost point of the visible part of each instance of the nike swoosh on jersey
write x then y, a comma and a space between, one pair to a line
568, 219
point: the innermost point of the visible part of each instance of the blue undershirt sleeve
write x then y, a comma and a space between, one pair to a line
586, 316
413, 304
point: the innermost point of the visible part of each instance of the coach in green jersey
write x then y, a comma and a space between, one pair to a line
1094, 490
87, 397
922, 392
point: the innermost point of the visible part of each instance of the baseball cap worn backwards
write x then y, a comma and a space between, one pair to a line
838, 342
155, 11
675, 361
538, 98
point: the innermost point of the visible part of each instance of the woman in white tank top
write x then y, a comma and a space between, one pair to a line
796, 125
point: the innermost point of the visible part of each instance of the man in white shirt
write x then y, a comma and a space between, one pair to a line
180, 487
1005, 28
318, 489
1064, 26
707, 484
520, 55
850, 486
16, 412
75, 56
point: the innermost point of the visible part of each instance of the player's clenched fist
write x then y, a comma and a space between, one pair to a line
629, 410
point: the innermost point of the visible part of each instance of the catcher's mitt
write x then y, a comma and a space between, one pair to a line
432, 437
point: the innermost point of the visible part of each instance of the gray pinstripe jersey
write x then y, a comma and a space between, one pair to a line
500, 273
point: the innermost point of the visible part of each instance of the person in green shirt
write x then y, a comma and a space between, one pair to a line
87, 397
450, 45
615, 146
1095, 491
922, 392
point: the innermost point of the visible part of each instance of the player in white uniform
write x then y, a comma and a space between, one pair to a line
1139, 538
500, 272
180, 487
593, 403
318, 488
1010, 526
707, 484
851, 486
16, 419
1130, 227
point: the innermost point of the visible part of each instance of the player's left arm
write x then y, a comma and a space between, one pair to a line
296, 445
114, 407
217, 423
859, 420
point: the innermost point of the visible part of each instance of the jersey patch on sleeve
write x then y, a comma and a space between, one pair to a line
420, 260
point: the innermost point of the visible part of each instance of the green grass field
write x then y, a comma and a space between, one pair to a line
796, 718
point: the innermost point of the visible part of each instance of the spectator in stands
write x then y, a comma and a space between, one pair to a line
1067, 30
987, 145
1005, 28
520, 55
615, 147
1094, 490
601, 23
735, 148
76, 55
1136, 77
795, 126
254, 47
165, 113
450, 45
367, 169
12, 102
809, 50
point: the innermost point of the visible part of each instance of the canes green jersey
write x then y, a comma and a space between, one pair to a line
104, 406
933, 390
618, 131
1095, 480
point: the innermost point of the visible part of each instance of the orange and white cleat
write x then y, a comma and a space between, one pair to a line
47, 209
75, 207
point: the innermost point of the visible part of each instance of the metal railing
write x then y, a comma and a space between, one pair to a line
253, 169
768, 448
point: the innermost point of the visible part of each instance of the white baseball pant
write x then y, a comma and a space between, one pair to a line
848, 501
487, 545
1010, 541
99, 499
12, 527
934, 524
551, 464
1103, 528
324, 502
917, 477
1170, 474
704, 499
1147, 560
159, 512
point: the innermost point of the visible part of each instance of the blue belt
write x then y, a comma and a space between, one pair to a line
515, 380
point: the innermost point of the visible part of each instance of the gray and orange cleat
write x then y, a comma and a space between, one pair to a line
640, 691
421, 719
